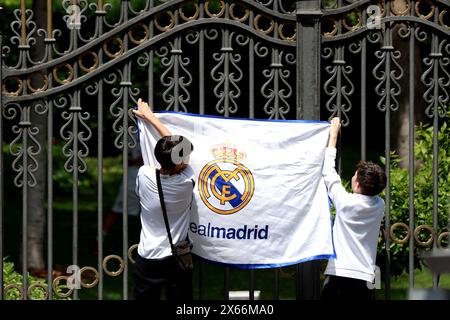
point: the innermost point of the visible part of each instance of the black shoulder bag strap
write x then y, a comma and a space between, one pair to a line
163, 207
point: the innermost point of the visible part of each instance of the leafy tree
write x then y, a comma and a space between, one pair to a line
423, 194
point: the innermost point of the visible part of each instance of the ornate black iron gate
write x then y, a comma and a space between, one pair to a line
274, 59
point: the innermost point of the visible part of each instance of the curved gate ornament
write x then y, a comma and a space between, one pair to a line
206, 57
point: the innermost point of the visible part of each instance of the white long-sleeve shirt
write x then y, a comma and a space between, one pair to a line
356, 226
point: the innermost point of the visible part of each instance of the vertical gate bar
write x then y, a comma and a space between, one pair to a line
25, 214
176, 67
411, 165
25, 117
50, 199
276, 86
25, 126
49, 42
150, 65
226, 285
226, 102
298, 282
308, 49
251, 285
176, 74
363, 92
386, 46
75, 102
75, 190
201, 71
448, 221
277, 63
308, 280
251, 72
363, 101
225, 44
201, 270
201, 62
100, 185
276, 285
73, 33
339, 64
23, 24
435, 176
150, 78
388, 200
251, 115
126, 91
308, 59
1, 169
49, 20
100, 14
124, 198
436, 80
126, 73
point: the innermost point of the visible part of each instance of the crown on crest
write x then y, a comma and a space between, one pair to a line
227, 150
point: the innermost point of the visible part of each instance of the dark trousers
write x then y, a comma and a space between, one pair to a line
341, 288
151, 276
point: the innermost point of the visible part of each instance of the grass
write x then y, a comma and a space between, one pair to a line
423, 279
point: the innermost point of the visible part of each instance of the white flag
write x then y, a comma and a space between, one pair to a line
259, 197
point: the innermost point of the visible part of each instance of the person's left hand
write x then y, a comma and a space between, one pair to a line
144, 111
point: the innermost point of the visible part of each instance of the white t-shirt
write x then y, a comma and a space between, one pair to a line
177, 191
356, 226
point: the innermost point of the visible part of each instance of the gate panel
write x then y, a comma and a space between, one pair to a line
375, 30
75, 80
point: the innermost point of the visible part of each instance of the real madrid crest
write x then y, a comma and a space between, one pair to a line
226, 185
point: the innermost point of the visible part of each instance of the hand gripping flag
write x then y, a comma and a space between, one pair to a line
259, 197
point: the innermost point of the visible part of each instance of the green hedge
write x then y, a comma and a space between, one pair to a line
12, 277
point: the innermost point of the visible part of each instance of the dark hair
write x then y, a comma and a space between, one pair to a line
170, 150
371, 178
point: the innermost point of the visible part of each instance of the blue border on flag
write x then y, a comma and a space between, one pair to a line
270, 265
247, 119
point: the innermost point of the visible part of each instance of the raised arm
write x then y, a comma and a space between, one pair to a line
144, 112
332, 180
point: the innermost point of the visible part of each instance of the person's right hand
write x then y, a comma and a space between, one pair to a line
144, 111
334, 132
335, 127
